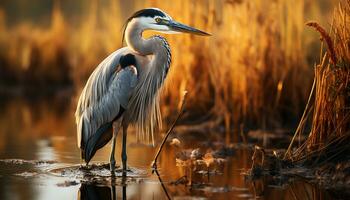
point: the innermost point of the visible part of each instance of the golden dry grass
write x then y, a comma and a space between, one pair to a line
330, 132
252, 71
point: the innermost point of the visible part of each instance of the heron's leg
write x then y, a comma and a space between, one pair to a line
114, 137
124, 156
111, 158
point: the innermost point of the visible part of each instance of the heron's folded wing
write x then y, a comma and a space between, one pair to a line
101, 97
97, 132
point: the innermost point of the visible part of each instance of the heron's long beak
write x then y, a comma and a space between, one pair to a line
178, 27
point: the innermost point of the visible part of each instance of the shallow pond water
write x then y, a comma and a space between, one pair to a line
39, 159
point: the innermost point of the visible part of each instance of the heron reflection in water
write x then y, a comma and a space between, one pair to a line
94, 192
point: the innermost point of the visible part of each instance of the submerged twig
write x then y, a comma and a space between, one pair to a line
154, 163
162, 184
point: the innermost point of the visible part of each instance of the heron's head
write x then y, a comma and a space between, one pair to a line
157, 20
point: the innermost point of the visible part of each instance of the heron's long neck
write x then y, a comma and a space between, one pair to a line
156, 45
144, 111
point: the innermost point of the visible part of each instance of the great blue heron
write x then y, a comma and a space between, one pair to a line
124, 88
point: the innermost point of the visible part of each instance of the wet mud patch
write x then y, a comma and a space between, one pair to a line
71, 175
98, 173
279, 173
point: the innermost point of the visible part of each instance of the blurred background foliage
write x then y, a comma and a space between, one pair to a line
256, 70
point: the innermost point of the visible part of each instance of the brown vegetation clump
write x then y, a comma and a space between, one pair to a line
330, 133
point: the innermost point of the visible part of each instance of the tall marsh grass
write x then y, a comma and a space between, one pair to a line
330, 133
253, 71
253, 68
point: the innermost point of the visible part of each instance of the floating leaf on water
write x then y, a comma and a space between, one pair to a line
195, 154
208, 159
175, 142
183, 163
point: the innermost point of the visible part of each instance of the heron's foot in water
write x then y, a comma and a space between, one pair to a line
112, 167
125, 168
85, 166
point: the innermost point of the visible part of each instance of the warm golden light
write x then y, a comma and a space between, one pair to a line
255, 71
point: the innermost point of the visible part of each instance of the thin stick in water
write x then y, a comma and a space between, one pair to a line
154, 163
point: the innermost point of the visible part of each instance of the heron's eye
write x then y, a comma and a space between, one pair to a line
158, 20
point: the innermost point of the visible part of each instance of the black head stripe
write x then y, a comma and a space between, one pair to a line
148, 12
127, 60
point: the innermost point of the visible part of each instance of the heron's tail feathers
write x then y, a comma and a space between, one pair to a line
98, 140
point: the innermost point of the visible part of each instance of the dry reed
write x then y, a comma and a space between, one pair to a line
248, 72
330, 133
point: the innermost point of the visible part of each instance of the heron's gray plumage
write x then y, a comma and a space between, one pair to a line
143, 109
129, 94
106, 90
